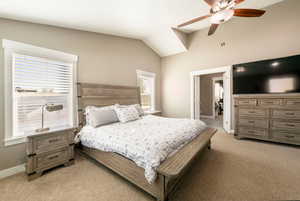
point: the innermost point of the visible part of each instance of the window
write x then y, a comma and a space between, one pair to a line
33, 83
146, 82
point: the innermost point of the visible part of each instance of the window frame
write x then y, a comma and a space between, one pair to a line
152, 76
13, 47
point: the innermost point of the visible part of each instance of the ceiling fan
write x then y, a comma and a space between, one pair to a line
223, 10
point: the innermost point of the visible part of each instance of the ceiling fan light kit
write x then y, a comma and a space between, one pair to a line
222, 16
223, 10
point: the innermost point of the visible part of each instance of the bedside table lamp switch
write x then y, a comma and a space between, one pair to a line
49, 108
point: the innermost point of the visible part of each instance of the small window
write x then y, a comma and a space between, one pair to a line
39, 92
146, 82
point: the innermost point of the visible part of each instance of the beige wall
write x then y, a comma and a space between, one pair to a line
206, 93
247, 39
102, 59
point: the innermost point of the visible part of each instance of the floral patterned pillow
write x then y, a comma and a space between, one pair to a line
128, 113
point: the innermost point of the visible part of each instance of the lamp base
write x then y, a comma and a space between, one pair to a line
41, 130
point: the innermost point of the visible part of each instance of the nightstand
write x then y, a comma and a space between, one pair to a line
155, 112
48, 150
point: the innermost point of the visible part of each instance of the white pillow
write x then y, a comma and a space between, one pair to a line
88, 110
102, 117
126, 113
137, 107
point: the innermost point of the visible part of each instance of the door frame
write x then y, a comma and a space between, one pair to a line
227, 82
214, 79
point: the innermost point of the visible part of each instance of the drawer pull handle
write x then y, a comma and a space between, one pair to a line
53, 157
251, 132
252, 112
290, 125
289, 136
290, 113
54, 140
251, 122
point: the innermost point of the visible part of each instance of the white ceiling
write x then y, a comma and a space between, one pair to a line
148, 20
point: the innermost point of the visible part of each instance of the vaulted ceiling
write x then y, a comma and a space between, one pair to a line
148, 20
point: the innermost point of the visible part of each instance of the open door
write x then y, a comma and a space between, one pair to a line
227, 101
197, 97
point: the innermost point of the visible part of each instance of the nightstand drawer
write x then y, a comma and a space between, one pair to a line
48, 160
49, 142
51, 159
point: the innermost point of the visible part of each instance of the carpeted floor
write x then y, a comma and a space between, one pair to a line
233, 170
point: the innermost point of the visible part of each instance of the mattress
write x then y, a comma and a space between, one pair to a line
147, 141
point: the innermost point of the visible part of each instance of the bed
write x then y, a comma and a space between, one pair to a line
170, 170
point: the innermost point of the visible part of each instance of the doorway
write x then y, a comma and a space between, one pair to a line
218, 100
220, 88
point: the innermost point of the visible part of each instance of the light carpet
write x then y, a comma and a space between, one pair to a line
233, 170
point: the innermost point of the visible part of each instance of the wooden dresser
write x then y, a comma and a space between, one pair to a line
48, 150
268, 117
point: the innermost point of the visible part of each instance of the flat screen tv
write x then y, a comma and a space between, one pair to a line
273, 76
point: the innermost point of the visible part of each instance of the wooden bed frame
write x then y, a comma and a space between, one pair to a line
169, 172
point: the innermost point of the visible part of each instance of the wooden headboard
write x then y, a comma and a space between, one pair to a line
101, 95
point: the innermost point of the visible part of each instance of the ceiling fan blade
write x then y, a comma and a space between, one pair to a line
212, 29
211, 2
248, 12
239, 1
194, 20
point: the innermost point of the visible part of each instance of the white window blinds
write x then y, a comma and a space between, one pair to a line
36, 82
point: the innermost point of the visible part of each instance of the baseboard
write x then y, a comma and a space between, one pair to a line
207, 116
11, 171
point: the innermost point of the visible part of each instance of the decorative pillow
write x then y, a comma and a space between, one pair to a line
89, 109
126, 113
102, 117
139, 109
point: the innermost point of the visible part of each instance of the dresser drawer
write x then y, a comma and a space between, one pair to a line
270, 102
250, 102
253, 132
285, 114
258, 123
286, 136
247, 112
285, 125
292, 102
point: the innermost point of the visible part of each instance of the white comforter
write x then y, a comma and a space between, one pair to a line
147, 141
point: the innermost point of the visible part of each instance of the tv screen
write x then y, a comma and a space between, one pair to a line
270, 76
